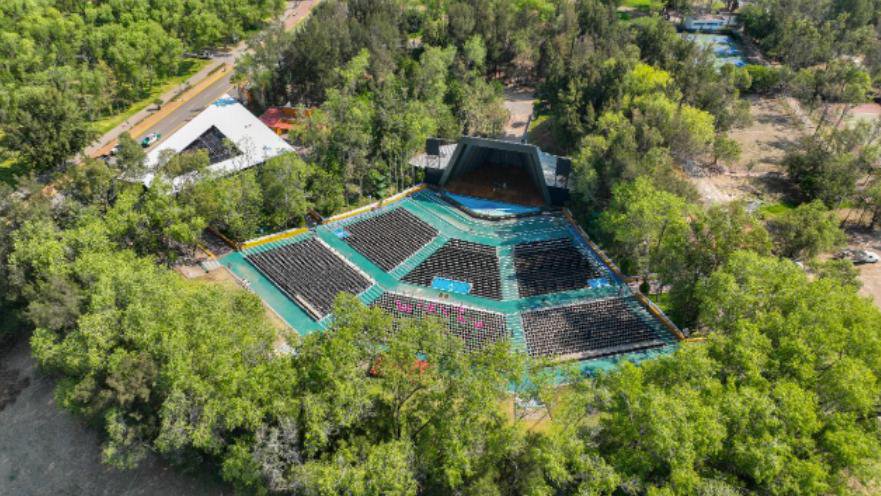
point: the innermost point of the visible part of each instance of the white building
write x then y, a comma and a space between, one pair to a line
709, 22
234, 138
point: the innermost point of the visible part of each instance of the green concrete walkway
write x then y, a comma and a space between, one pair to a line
451, 223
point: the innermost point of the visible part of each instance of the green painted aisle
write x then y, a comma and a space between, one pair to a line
452, 223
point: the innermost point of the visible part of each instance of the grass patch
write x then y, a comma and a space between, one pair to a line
662, 301
541, 133
771, 210
9, 168
188, 68
644, 5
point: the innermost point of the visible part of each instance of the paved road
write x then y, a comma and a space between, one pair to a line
192, 108
294, 12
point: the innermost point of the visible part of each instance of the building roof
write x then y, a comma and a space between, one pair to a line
275, 118
225, 119
427, 161
547, 170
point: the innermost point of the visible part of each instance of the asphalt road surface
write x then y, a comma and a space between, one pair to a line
190, 109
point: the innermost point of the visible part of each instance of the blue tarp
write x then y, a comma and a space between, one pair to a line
492, 207
451, 285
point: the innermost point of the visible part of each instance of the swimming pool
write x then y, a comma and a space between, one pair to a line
492, 208
726, 48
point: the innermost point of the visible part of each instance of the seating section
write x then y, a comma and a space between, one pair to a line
310, 274
552, 266
587, 330
390, 238
462, 261
476, 328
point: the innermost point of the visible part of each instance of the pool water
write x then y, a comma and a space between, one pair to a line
726, 48
492, 208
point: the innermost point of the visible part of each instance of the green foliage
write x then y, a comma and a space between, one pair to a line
842, 271
44, 126
838, 81
806, 231
130, 156
713, 236
780, 400
827, 164
643, 222
157, 374
804, 33
173, 164
378, 102
182, 368
65, 64
275, 196
766, 80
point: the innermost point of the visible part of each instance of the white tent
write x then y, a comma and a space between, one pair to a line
254, 142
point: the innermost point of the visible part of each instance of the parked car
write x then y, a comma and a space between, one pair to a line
858, 257
150, 139
201, 54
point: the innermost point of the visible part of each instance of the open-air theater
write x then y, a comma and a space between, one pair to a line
484, 245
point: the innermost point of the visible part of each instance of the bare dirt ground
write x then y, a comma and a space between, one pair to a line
519, 103
870, 274
757, 175
46, 451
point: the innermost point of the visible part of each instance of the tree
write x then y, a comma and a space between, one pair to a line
232, 204
713, 236
826, 165
130, 157
641, 222
283, 181
165, 378
66, 64
779, 400
154, 221
172, 164
725, 149
90, 182
480, 107
45, 127
404, 404
806, 231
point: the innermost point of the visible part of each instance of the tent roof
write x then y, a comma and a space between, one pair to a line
255, 142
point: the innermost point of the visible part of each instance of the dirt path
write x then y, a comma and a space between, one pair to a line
758, 173
46, 451
519, 102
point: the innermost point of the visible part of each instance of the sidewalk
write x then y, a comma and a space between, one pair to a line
169, 97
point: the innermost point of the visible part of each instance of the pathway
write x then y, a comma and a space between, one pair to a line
519, 102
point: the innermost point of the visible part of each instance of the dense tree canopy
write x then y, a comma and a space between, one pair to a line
379, 93
779, 396
804, 33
